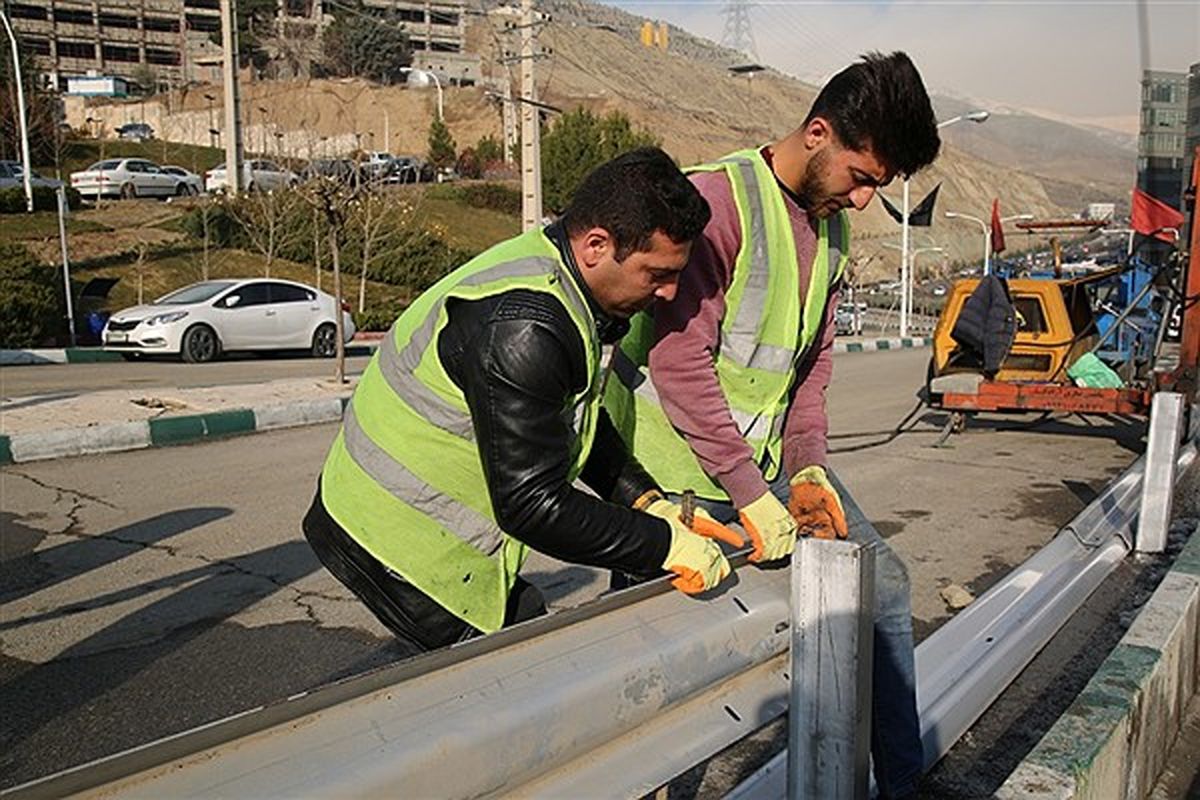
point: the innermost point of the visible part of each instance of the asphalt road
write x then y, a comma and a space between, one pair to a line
145, 593
75, 379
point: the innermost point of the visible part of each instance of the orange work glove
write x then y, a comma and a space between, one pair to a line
693, 555
815, 505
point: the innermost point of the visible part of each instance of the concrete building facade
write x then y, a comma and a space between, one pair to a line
1163, 129
131, 39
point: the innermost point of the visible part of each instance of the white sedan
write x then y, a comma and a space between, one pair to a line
258, 175
127, 178
201, 321
193, 182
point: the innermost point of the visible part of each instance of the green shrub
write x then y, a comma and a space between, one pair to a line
30, 311
12, 199
375, 319
417, 260
495, 196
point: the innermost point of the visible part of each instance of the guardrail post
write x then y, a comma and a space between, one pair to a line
829, 711
1158, 482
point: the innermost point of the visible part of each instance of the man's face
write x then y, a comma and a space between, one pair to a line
625, 287
837, 177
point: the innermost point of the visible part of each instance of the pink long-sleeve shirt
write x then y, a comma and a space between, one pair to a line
687, 334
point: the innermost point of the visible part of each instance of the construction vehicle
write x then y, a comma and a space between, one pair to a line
1126, 316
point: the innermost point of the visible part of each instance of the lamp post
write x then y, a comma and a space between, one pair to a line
27, 168
905, 278
987, 262
425, 76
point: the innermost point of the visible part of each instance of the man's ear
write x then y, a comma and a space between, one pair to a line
595, 245
817, 132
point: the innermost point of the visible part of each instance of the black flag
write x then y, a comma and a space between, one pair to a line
892, 210
921, 215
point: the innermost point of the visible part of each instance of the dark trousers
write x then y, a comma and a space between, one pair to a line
409, 613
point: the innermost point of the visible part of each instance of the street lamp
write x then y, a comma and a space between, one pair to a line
987, 262
970, 116
423, 77
27, 168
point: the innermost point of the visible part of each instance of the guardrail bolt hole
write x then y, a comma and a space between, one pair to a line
736, 717
741, 605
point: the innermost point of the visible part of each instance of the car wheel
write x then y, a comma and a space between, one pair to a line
199, 345
252, 187
182, 190
128, 191
325, 341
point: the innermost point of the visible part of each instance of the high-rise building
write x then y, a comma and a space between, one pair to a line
1192, 133
1161, 137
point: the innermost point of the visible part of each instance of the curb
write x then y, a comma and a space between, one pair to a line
872, 345
93, 355
1114, 738
114, 437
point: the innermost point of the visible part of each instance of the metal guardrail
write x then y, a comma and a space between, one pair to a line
611, 699
967, 663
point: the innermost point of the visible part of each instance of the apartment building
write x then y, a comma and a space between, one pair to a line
121, 38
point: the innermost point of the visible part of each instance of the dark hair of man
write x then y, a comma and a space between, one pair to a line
635, 195
881, 103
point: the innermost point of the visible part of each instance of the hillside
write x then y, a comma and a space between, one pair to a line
687, 98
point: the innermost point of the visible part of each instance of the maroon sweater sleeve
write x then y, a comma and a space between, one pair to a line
687, 333
806, 430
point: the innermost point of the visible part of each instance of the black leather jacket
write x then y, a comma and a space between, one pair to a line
518, 358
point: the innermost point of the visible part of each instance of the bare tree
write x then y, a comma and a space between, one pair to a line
317, 244
375, 227
264, 218
332, 200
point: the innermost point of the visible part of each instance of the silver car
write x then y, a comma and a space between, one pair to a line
12, 173
127, 178
258, 175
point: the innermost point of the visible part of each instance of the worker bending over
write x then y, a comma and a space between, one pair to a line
722, 389
461, 442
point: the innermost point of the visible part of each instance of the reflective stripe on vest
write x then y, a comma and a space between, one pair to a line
404, 477
764, 335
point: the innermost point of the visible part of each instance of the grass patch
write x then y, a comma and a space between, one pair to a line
473, 229
41, 225
82, 153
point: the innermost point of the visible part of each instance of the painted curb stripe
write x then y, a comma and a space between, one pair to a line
94, 355
42, 445
179, 430
1074, 750
5, 450
82, 356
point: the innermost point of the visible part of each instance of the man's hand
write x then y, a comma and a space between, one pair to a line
694, 556
815, 505
771, 528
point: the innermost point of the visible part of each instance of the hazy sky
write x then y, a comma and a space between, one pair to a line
1076, 58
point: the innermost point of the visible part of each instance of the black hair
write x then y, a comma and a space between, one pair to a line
633, 196
881, 103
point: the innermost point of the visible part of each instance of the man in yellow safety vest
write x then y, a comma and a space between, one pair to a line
721, 391
462, 441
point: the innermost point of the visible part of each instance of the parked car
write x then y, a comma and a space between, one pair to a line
126, 177
203, 320
12, 173
848, 320
257, 175
343, 169
135, 131
193, 182
403, 169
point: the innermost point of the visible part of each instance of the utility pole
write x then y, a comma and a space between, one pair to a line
233, 125
531, 139
508, 113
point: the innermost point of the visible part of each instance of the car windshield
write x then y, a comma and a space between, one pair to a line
196, 293
99, 165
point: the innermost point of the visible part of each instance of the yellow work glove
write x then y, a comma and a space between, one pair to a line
815, 505
772, 529
694, 556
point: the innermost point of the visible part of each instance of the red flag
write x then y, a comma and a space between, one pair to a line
1151, 215
997, 228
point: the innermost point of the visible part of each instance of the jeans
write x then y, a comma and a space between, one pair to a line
896, 749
